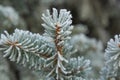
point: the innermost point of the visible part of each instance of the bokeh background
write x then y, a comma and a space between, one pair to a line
96, 21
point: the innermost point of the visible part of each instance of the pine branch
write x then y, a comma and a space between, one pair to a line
112, 57
46, 53
26, 48
59, 30
80, 65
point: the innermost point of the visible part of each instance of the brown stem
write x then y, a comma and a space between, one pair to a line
14, 44
59, 47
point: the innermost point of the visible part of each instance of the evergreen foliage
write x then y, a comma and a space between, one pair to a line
52, 52
47, 52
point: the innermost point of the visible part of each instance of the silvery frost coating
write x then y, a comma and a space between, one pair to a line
90, 48
25, 48
49, 52
112, 56
61, 19
104, 73
80, 65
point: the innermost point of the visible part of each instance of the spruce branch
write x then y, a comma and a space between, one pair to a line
25, 47
112, 56
112, 53
79, 65
61, 28
48, 52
